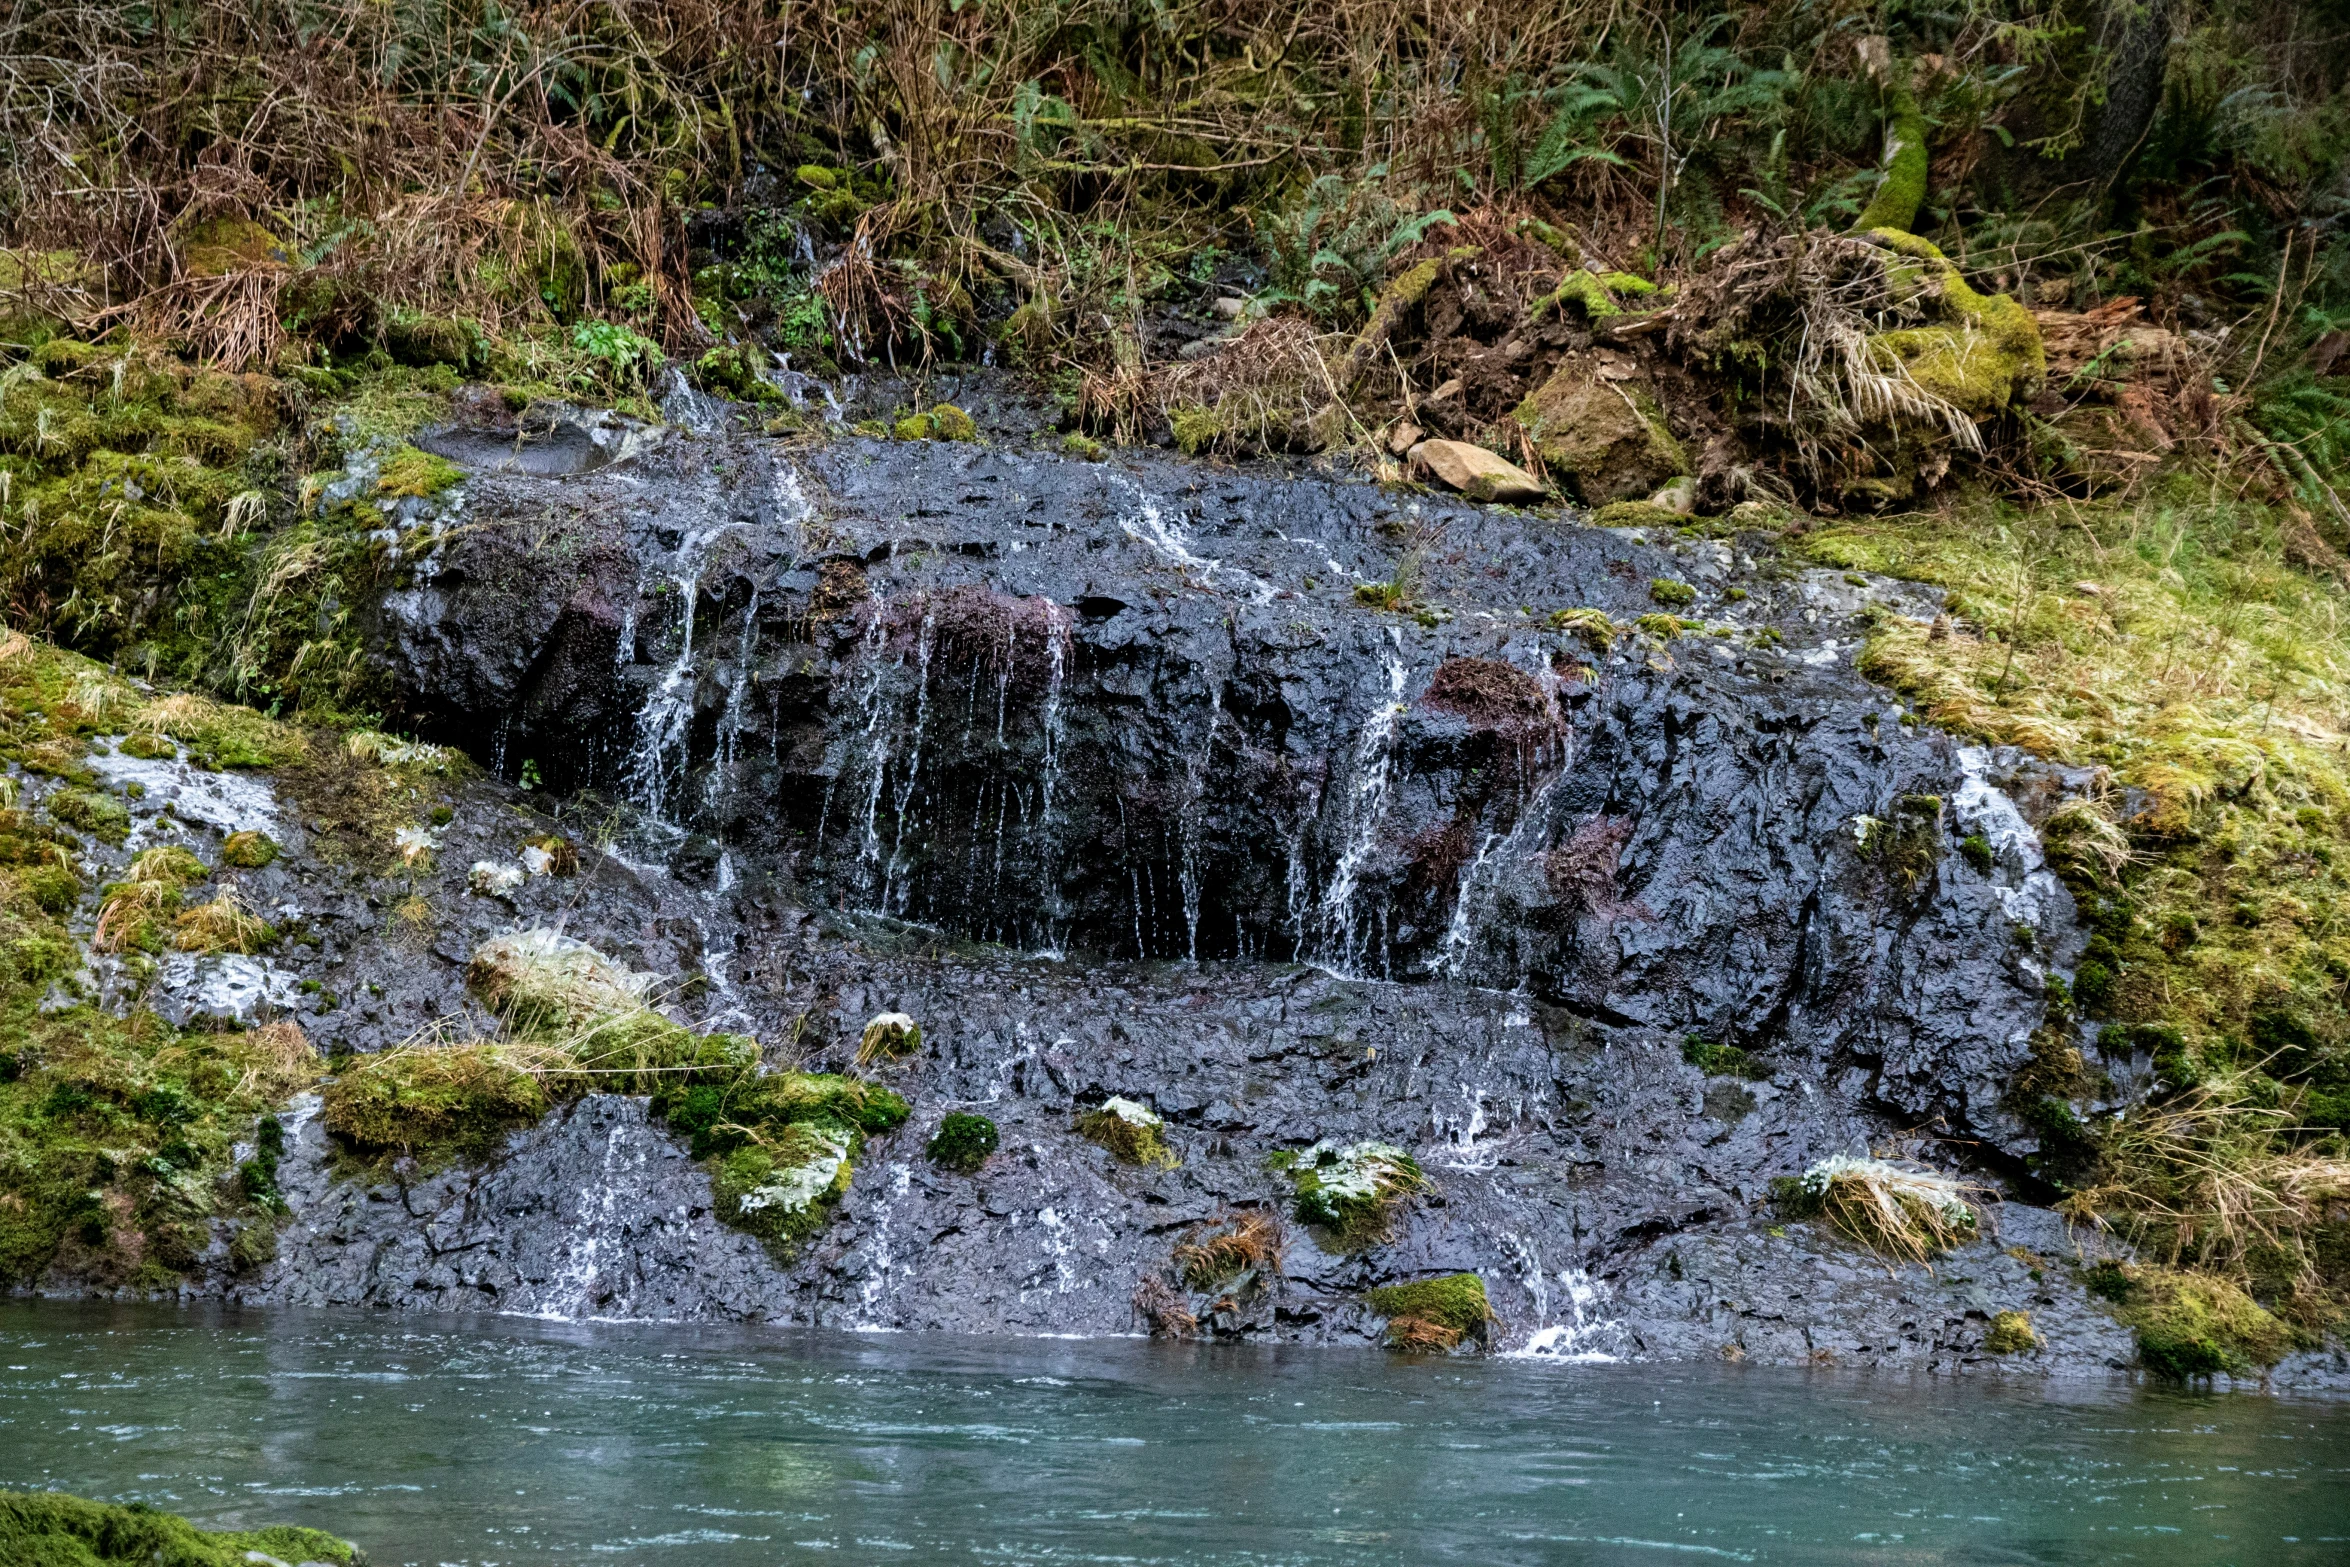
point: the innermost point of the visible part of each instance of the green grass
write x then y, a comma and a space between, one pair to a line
2173, 641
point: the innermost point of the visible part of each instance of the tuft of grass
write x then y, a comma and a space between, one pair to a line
223, 925
1894, 1210
1355, 1189
1433, 1314
962, 1142
1245, 1246
1133, 1133
887, 1037
51, 1529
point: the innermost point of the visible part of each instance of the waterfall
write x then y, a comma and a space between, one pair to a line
1195, 773
1478, 890
1374, 772
1585, 1336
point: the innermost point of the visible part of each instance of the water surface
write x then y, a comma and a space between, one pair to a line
495, 1441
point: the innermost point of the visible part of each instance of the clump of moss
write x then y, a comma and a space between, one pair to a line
408, 473
1593, 626
50, 1529
780, 1147
101, 815
889, 1036
1133, 1133
2010, 1333
1671, 594
1433, 1314
1637, 514
1908, 842
1903, 188
248, 850
1083, 447
547, 984
2191, 1324
128, 910
1721, 1060
962, 1142
733, 371
945, 422
1355, 1189
434, 1104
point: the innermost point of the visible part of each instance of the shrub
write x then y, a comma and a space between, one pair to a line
962, 1142
1433, 1314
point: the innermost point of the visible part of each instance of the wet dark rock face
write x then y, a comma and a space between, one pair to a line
1107, 775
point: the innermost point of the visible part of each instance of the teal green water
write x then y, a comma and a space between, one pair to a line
494, 1441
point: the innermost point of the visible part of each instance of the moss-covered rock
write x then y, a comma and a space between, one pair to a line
49, 1529
248, 850
1606, 439
732, 371
436, 1105
1133, 1133
945, 422
962, 1142
1433, 1314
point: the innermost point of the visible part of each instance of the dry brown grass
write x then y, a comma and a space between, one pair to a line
1244, 1243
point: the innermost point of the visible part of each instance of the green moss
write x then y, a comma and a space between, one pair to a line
1433, 1313
733, 371
1626, 283
1721, 1060
1671, 594
1582, 289
2193, 1325
1083, 447
413, 473
945, 422
102, 816
1903, 189
1987, 358
437, 1106
962, 1142
1197, 427
1356, 1190
248, 850
2011, 1333
50, 1529
1131, 1132
1636, 514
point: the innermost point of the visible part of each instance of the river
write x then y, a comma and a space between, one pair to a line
484, 1442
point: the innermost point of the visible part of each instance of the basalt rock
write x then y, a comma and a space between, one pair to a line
1102, 774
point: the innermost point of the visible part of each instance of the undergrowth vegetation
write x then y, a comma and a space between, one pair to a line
779, 1146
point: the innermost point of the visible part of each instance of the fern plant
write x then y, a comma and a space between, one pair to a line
1329, 254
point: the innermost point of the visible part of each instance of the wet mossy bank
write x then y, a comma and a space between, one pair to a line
50, 1529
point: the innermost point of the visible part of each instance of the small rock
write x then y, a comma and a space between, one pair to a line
1451, 388
1476, 472
2091, 589
1404, 437
1230, 308
1680, 497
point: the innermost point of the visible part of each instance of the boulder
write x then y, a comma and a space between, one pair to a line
1605, 437
1476, 472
